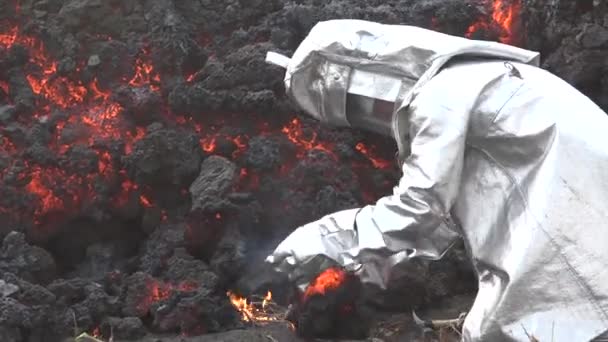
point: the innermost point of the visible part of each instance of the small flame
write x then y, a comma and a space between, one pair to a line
503, 15
252, 312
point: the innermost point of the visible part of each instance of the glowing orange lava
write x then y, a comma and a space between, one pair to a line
4, 87
92, 117
6, 145
294, 133
8, 39
330, 279
377, 162
504, 13
157, 291
145, 75
49, 202
96, 332
209, 143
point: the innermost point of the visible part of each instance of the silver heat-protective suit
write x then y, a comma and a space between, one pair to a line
493, 149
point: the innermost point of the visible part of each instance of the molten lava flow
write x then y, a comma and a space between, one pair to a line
96, 332
49, 202
9, 38
90, 108
209, 143
377, 162
504, 13
94, 119
296, 135
253, 311
330, 279
145, 75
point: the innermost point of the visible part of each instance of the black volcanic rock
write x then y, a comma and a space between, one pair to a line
217, 176
165, 157
31, 263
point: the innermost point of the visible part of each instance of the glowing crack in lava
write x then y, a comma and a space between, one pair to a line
157, 291
60, 192
377, 162
252, 311
294, 133
503, 15
89, 106
328, 280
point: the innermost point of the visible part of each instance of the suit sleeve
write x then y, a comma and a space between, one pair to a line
414, 221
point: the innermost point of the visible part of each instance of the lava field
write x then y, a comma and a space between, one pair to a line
149, 159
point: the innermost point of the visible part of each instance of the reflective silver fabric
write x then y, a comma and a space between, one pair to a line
387, 62
504, 154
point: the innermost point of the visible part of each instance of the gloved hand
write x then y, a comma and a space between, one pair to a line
316, 246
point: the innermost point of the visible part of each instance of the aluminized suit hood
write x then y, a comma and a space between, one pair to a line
386, 62
503, 154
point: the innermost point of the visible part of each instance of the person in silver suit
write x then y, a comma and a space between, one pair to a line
493, 149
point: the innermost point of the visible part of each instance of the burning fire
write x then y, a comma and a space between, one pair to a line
330, 279
253, 311
503, 14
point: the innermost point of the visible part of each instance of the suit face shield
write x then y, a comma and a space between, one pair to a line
369, 114
339, 96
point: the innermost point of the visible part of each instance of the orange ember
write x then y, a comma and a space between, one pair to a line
330, 279
157, 291
503, 14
